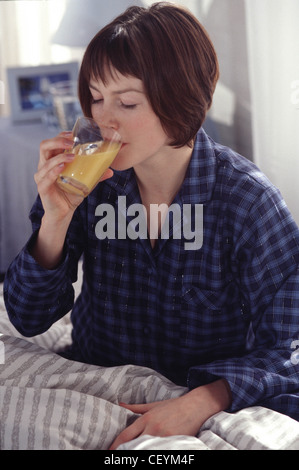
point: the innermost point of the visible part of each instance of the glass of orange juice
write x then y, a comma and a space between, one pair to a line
95, 150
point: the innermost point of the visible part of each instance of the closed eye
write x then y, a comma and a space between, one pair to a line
96, 101
128, 106
123, 105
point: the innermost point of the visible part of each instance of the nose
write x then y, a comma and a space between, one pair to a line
107, 118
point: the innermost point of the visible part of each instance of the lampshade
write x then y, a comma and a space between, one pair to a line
84, 18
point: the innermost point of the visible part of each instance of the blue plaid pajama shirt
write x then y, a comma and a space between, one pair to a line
229, 309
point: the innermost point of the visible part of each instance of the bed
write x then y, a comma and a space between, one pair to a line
50, 403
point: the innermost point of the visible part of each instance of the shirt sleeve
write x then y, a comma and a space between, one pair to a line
35, 297
267, 258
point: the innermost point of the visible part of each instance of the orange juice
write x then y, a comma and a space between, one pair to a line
82, 174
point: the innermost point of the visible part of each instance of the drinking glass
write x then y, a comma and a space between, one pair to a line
94, 149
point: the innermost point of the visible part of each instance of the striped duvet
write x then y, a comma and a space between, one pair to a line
48, 402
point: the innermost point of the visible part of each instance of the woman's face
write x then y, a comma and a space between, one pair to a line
122, 104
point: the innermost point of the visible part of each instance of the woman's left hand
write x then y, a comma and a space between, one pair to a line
178, 416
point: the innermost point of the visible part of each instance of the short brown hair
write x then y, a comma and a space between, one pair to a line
167, 48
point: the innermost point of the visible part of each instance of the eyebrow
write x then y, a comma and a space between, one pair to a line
118, 92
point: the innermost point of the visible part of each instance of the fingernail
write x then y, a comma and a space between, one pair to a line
70, 156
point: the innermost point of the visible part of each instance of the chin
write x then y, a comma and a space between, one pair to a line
120, 163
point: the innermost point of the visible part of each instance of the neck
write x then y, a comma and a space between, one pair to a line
159, 180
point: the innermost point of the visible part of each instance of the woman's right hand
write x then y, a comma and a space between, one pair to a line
54, 154
58, 205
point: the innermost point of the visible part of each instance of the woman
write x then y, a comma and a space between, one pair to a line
219, 317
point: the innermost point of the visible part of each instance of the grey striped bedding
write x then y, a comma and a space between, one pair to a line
48, 402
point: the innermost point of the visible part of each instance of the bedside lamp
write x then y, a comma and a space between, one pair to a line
83, 19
